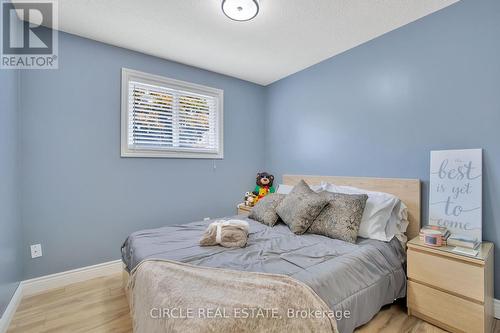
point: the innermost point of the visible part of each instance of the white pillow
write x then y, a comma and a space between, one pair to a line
384, 217
285, 189
398, 223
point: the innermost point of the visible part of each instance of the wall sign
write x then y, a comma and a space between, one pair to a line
455, 200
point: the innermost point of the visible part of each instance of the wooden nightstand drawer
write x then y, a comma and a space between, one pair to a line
448, 274
243, 210
448, 311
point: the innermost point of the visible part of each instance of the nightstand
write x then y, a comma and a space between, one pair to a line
242, 209
449, 290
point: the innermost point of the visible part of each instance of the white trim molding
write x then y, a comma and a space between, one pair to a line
58, 280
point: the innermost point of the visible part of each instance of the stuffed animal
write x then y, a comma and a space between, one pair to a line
250, 199
264, 186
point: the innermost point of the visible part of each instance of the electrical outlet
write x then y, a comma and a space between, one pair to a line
36, 250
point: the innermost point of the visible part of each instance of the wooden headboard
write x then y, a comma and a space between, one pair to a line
408, 190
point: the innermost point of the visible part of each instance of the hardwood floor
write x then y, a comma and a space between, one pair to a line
100, 305
97, 305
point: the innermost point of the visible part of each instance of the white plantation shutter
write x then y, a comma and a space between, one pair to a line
169, 118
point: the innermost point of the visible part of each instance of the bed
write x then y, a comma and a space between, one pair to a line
352, 280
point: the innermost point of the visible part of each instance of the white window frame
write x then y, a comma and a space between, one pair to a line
133, 75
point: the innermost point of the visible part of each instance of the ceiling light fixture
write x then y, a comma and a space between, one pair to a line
240, 10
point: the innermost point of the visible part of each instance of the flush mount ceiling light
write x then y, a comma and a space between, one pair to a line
240, 10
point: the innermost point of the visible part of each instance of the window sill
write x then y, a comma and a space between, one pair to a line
170, 154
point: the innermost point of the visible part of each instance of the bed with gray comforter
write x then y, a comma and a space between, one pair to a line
359, 278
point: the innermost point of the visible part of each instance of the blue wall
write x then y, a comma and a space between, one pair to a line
80, 199
379, 109
10, 227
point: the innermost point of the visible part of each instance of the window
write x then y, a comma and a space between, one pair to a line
163, 117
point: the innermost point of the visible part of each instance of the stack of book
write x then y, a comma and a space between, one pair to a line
445, 233
463, 241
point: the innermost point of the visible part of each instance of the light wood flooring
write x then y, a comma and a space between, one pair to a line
100, 305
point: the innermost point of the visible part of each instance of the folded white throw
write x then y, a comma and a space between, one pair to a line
227, 233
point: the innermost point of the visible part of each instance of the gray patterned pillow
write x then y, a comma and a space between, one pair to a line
300, 207
341, 217
265, 209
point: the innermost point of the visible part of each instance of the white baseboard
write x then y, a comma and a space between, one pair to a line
58, 280
11, 309
53, 281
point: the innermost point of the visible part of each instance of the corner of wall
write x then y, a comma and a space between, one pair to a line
22, 242
11, 231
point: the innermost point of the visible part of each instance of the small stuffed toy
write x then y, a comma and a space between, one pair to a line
264, 186
250, 199
230, 233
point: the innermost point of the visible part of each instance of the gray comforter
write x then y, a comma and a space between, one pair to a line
358, 278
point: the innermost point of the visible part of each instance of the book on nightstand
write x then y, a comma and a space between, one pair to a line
463, 241
465, 251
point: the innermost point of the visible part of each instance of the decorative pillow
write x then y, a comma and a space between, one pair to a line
265, 209
342, 216
300, 207
379, 215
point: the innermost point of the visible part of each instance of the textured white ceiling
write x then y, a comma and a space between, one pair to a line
287, 35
